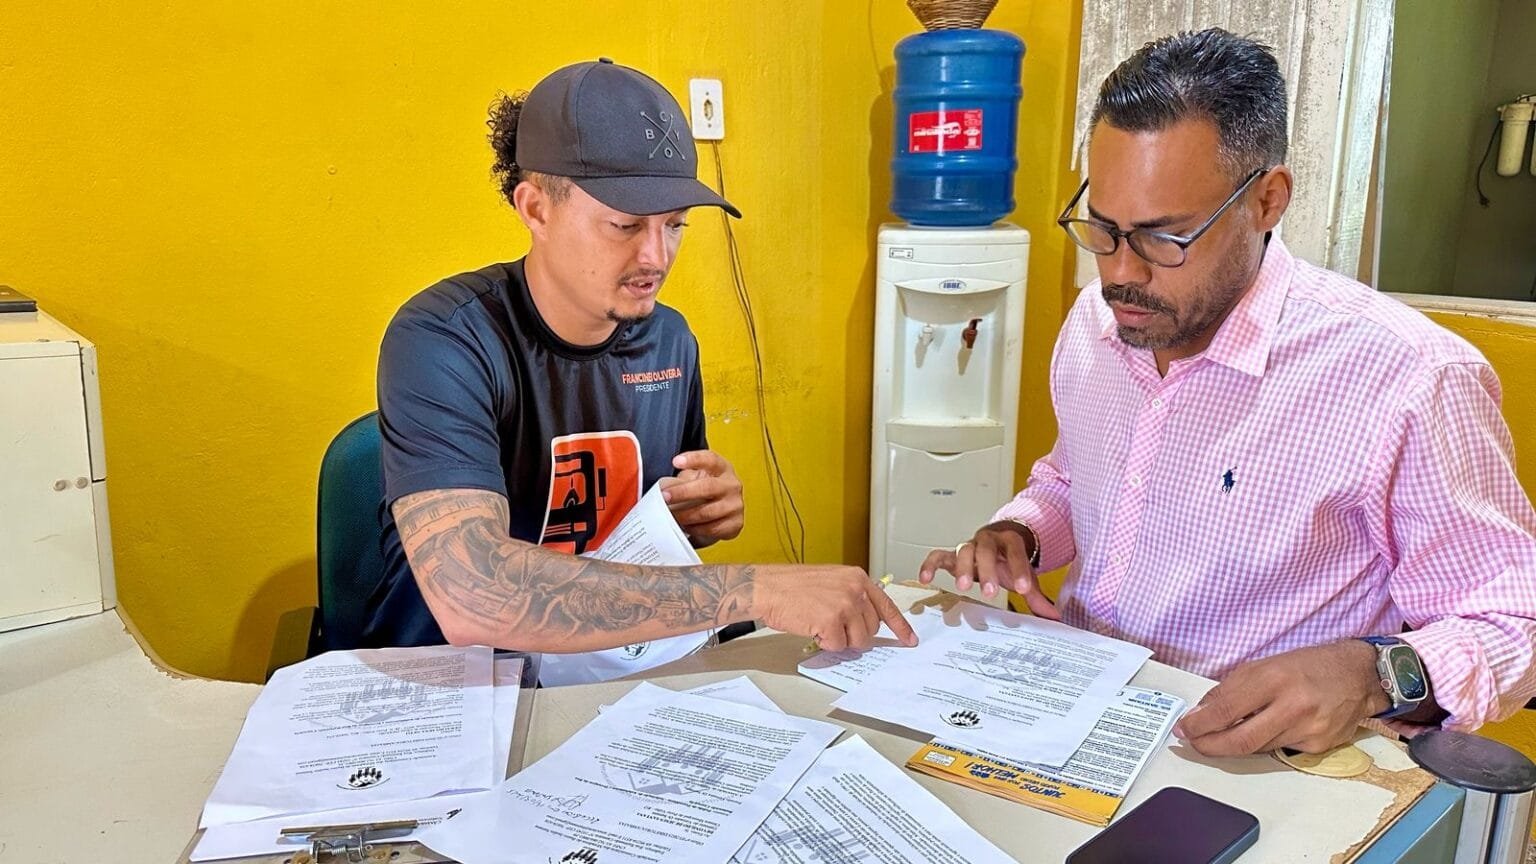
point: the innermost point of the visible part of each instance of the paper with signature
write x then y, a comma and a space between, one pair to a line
659, 776
350, 728
853, 805
1019, 686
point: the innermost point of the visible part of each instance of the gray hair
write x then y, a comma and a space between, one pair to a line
1232, 81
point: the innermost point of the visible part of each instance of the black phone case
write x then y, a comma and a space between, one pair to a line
1174, 826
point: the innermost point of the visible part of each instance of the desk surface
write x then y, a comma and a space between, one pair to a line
1302, 817
105, 756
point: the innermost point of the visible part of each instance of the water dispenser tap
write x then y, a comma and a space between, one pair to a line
925, 336
968, 335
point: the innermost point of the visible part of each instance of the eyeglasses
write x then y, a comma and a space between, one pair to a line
1155, 247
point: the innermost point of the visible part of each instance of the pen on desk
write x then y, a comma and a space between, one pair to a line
813, 646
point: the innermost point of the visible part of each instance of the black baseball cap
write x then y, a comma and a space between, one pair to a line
618, 135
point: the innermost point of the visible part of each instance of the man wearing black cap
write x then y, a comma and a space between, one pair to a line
525, 407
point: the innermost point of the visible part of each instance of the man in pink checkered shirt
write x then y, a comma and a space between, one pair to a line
1264, 470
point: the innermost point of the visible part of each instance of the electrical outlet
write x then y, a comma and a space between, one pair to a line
707, 101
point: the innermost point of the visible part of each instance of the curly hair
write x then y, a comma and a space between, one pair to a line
505, 111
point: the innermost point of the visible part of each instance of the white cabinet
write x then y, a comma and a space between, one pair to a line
55, 543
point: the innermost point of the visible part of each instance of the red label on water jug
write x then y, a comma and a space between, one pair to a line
939, 131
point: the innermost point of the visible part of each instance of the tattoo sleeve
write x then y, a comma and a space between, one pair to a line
510, 594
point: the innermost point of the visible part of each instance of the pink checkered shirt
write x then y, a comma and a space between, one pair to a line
1333, 465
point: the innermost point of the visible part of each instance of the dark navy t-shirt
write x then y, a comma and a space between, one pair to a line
475, 391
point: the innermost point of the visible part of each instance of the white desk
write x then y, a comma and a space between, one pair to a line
106, 757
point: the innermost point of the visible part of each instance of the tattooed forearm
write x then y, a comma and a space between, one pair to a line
518, 595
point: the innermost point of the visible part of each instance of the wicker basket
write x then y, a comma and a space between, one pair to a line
952, 14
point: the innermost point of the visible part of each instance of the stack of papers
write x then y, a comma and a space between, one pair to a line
363, 736
990, 680
686, 777
658, 776
1093, 783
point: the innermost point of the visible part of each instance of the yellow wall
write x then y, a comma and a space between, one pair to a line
1511, 348
232, 200
232, 204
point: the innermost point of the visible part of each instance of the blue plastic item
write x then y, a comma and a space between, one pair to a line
957, 107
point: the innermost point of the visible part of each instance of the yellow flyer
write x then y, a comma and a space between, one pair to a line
1091, 785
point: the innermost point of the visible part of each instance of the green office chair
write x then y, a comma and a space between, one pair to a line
349, 562
347, 553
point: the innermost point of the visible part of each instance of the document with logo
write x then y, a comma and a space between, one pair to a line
846, 669
646, 535
1093, 783
349, 728
264, 836
854, 805
659, 776
1026, 688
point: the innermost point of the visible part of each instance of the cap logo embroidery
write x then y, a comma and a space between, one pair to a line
670, 144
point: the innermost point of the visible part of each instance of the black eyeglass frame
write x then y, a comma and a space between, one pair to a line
1182, 241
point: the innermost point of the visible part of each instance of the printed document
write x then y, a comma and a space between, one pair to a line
264, 836
659, 776
1093, 783
349, 728
854, 806
843, 670
1026, 688
739, 689
646, 535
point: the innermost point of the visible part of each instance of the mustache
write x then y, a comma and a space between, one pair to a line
644, 274
1133, 294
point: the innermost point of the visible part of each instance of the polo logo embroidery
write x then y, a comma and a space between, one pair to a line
668, 143
1228, 481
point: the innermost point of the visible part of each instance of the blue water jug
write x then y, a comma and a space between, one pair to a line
957, 105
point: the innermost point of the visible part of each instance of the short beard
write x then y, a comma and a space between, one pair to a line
1213, 302
626, 320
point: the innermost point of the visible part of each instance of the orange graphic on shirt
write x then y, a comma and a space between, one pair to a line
595, 480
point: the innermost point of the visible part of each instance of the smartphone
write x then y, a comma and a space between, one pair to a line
1174, 826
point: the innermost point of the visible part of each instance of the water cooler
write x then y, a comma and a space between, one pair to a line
949, 295
949, 336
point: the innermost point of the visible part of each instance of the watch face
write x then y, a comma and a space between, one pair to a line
1408, 673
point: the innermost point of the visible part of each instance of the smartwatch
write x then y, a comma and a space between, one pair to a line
1401, 674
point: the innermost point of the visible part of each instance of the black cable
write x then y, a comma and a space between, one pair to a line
1481, 198
784, 506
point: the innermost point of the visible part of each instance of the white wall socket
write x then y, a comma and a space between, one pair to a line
707, 101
